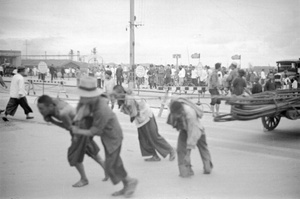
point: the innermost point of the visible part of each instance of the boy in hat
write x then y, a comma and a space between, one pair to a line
17, 96
62, 114
106, 125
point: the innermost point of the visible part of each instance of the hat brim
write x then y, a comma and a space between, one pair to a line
84, 93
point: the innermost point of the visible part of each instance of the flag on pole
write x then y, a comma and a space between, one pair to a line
236, 57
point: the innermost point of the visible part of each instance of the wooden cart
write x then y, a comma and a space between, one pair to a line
269, 106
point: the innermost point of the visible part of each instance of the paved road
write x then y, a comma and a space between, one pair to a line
248, 162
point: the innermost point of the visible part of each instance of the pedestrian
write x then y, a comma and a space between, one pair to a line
185, 117
270, 84
256, 86
232, 74
181, 75
4, 85
1, 70
168, 75
139, 111
17, 96
109, 84
107, 126
52, 71
119, 75
151, 74
60, 113
239, 84
98, 77
213, 88
286, 82
262, 76
34, 70
194, 76
62, 71
161, 75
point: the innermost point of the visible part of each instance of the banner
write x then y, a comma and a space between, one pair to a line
236, 57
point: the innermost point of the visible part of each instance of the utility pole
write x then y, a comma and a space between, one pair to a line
131, 56
26, 45
176, 56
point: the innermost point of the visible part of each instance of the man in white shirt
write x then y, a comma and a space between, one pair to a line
262, 76
17, 96
194, 76
181, 75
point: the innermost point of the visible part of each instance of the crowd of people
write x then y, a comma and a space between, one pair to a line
94, 117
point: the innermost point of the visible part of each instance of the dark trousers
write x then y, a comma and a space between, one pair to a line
114, 166
99, 83
81, 145
119, 81
202, 147
13, 104
195, 81
151, 141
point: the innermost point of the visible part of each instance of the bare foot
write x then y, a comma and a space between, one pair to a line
130, 188
105, 179
119, 193
81, 183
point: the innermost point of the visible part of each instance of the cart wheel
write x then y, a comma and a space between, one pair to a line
270, 123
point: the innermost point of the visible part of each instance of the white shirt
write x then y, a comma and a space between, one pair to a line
181, 73
98, 75
295, 84
220, 77
262, 75
173, 71
194, 74
17, 86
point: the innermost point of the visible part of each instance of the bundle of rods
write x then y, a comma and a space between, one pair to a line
261, 104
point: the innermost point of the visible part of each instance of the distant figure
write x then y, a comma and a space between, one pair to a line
214, 87
262, 76
239, 84
232, 75
52, 71
2, 83
295, 83
256, 86
270, 84
1, 71
109, 84
98, 77
181, 75
62, 71
168, 75
119, 75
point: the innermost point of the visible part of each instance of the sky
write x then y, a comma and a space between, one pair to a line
261, 31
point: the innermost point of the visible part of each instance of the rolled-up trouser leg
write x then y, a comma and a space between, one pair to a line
184, 167
205, 154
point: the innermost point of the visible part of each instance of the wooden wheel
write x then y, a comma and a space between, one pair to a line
270, 123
